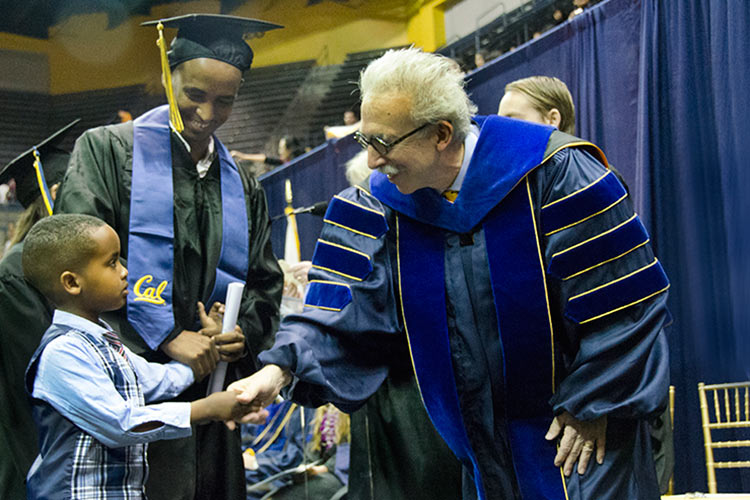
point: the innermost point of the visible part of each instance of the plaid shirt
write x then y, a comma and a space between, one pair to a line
99, 472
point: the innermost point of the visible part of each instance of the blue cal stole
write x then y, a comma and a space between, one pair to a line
151, 234
494, 194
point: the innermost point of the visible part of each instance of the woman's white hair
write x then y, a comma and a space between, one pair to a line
434, 82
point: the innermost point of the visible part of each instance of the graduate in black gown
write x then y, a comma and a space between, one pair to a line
24, 313
190, 222
508, 258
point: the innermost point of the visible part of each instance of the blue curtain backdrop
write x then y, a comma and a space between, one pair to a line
663, 86
315, 176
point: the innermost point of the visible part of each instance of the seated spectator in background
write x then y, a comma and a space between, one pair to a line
351, 125
480, 58
24, 313
289, 147
350, 117
89, 392
327, 455
579, 5
275, 446
558, 17
121, 116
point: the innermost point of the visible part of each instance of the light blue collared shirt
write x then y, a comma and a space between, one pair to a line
72, 378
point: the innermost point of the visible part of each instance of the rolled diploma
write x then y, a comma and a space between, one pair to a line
231, 310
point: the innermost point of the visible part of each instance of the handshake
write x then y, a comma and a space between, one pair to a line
244, 401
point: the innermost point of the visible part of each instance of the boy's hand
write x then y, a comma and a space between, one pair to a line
217, 406
195, 350
259, 390
211, 322
224, 406
231, 345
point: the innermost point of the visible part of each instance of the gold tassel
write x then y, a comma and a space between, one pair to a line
174, 112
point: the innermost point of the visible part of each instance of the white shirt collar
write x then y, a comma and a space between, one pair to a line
204, 163
470, 143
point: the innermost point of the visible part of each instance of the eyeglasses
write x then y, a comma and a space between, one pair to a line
378, 144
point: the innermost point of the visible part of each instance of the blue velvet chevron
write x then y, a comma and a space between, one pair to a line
341, 260
631, 289
597, 197
356, 218
327, 295
598, 250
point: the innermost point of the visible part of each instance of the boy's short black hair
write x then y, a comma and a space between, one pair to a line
56, 244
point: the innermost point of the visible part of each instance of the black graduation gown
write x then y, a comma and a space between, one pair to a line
98, 181
24, 317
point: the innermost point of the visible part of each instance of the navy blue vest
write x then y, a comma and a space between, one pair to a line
71, 463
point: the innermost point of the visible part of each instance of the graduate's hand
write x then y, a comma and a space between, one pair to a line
211, 322
231, 345
260, 389
195, 350
578, 442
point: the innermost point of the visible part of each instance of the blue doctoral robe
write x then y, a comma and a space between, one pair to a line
391, 270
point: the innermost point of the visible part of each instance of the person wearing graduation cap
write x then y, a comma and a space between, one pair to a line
190, 222
24, 313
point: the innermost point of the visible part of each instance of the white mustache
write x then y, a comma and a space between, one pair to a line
388, 170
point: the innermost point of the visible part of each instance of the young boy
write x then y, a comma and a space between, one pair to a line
89, 392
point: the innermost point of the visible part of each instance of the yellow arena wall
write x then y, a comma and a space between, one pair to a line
84, 53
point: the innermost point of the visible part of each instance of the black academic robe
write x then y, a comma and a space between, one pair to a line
24, 317
396, 453
341, 348
98, 182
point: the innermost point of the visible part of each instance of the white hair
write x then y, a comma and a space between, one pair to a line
357, 170
434, 83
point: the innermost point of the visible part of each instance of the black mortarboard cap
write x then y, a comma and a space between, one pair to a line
54, 164
214, 36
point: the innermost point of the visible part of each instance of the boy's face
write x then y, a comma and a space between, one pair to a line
103, 280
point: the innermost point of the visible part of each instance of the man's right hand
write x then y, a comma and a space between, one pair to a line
195, 350
260, 389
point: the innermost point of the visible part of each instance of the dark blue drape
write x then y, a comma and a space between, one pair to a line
663, 86
693, 151
315, 177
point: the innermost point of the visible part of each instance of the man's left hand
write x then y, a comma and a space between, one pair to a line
579, 440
